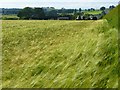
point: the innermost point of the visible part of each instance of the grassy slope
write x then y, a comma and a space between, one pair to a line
59, 54
113, 17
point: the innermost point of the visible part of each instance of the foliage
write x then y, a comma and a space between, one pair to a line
29, 13
111, 7
38, 13
52, 14
102, 8
80, 9
25, 13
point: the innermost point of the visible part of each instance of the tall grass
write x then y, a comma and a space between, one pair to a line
59, 54
113, 17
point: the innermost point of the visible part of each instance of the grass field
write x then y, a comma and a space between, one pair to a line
10, 17
59, 54
93, 12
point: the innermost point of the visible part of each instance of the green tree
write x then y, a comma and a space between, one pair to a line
52, 14
111, 7
38, 13
102, 8
75, 11
25, 13
80, 9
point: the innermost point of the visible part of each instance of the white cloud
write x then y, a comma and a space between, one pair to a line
59, 1
14, 1
56, 3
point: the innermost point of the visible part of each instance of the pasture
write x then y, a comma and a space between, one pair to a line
59, 54
9, 17
93, 12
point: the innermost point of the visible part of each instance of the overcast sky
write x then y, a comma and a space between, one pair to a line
57, 3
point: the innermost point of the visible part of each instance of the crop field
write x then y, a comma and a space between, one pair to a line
9, 17
93, 12
59, 54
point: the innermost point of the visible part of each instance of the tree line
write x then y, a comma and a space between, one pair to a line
52, 13
41, 13
31, 13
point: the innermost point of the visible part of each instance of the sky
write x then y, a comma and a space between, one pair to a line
85, 4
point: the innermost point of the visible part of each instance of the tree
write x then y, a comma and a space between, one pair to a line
111, 7
80, 9
102, 8
52, 8
63, 10
92, 9
52, 14
38, 13
30, 13
25, 13
75, 11
69, 10
89, 9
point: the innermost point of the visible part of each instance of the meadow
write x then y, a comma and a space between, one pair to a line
93, 12
59, 54
9, 17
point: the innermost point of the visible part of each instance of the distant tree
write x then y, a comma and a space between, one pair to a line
80, 9
52, 14
111, 7
30, 13
69, 10
75, 11
38, 13
89, 9
102, 8
92, 9
52, 8
63, 10
75, 15
25, 13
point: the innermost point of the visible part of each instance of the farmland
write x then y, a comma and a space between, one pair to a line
59, 54
93, 12
9, 17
